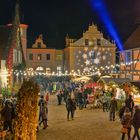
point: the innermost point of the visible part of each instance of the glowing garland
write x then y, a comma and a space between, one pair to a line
26, 119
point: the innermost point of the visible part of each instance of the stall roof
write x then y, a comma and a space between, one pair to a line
116, 80
136, 83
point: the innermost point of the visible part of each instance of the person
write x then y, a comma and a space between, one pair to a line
113, 108
44, 115
47, 97
71, 107
7, 115
80, 100
41, 100
136, 123
121, 111
59, 97
130, 103
105, 103
126, 122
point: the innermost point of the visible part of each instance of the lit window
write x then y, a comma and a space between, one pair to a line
128, 57
59, 69
39, 57
39, 68
48, 70
59, 57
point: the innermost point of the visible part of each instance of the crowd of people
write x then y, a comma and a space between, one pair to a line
73, 96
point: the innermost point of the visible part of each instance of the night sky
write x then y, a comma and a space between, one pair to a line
56, 18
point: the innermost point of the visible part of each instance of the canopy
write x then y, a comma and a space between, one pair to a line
83, 78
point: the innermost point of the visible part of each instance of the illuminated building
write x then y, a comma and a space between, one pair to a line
42, 58
12, 55
91, 53
130, 57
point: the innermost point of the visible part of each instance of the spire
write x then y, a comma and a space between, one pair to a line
67, 35
16, 21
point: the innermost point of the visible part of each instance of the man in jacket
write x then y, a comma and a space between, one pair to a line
113, 108
71, 107
130, 103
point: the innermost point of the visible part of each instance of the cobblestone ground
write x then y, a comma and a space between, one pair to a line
89, 124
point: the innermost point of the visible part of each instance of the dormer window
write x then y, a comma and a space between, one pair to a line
86, 42
39, 57
39, 45
99, 42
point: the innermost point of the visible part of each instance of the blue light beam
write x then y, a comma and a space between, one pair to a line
102, 12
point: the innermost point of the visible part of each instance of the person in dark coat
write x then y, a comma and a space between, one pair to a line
41, 100
7, 115
80, 100
136, 123
59, 97
126, 122
71, 107
113, 108
130, 103
44, 115
122, 110
105, 103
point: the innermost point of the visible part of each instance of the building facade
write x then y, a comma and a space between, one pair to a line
11, 53
41, 58
130, 57
92, 53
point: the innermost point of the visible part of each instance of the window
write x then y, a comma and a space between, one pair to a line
39, 57
86, 42
30, 56
59, 57
19, 57
99, 42
59, 70
48, 56
128, 57
48, 70
39, 45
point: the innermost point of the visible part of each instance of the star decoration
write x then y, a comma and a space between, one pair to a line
87, 62
96, 61
85, 56
98, 53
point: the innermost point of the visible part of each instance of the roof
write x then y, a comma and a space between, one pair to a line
134, 40
136, 83
116, 80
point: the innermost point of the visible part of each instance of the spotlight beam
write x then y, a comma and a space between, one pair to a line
100, 8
